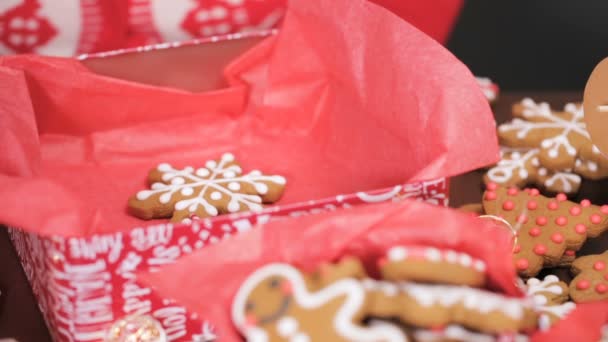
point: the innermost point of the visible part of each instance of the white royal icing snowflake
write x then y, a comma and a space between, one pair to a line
218, 181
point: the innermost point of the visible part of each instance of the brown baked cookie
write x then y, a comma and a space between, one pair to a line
218, 188
456, 333
521, 167
591, 278
431, 306
550, 297
328, 273
559, 136
432, 265
592, 164
275, 304
547, 227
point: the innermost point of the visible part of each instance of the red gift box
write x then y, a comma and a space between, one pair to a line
306, 104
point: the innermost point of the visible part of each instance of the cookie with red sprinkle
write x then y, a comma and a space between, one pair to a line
550, 230
591, 278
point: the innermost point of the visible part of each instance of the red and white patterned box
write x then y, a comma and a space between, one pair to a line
84, 285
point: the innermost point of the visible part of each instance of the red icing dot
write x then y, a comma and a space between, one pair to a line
512, 191
490, 196
583, 284
596, 219
601, 288
569, 252
576, 210
517, 249
508, 205
585, 203
561, 221
492, 186
561, 197
541, 220
522, 264
580, 228
604, 209
532, 205
540, 249
522, 218
534, 192
557, 238
552, 205
599, 265
535, 231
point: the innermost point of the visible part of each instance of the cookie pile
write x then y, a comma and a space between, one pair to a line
547, 149
550, 232
424, 294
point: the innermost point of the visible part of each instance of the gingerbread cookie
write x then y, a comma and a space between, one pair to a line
558, 135
274, 304
550, 297
456, 333
429, 306
521, 167
432, 265
592, 164
218, 188
547, 227
591, 278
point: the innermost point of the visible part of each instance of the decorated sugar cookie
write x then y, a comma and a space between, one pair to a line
275, 304
550, 297
430, 306
432, 265
591, 281
550, 229
218, 188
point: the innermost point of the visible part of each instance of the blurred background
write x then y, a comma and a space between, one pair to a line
532, 44
520, 44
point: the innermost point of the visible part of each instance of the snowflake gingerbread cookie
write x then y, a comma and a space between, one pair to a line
276, 304
550, 297
550, 230
218, 188
521, 167
561, 138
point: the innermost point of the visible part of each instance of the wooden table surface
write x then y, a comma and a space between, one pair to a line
21, 319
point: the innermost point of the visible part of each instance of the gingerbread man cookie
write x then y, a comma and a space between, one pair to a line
591, 278
432, 265
550, 297
274, 304
218, 188
547, 227
429, 306
521, 167
456, 333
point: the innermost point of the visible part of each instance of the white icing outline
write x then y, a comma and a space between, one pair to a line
186, 180
433, 254
535, 288
542, 111
350, 288
448, 296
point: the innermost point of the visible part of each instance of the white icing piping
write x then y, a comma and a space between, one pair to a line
401, 253
447, 296
543, 111
186, 180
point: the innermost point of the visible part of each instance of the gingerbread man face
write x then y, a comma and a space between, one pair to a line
274, 304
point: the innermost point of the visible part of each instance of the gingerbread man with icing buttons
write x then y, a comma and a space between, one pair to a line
550, 230
275, 304
591, 281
